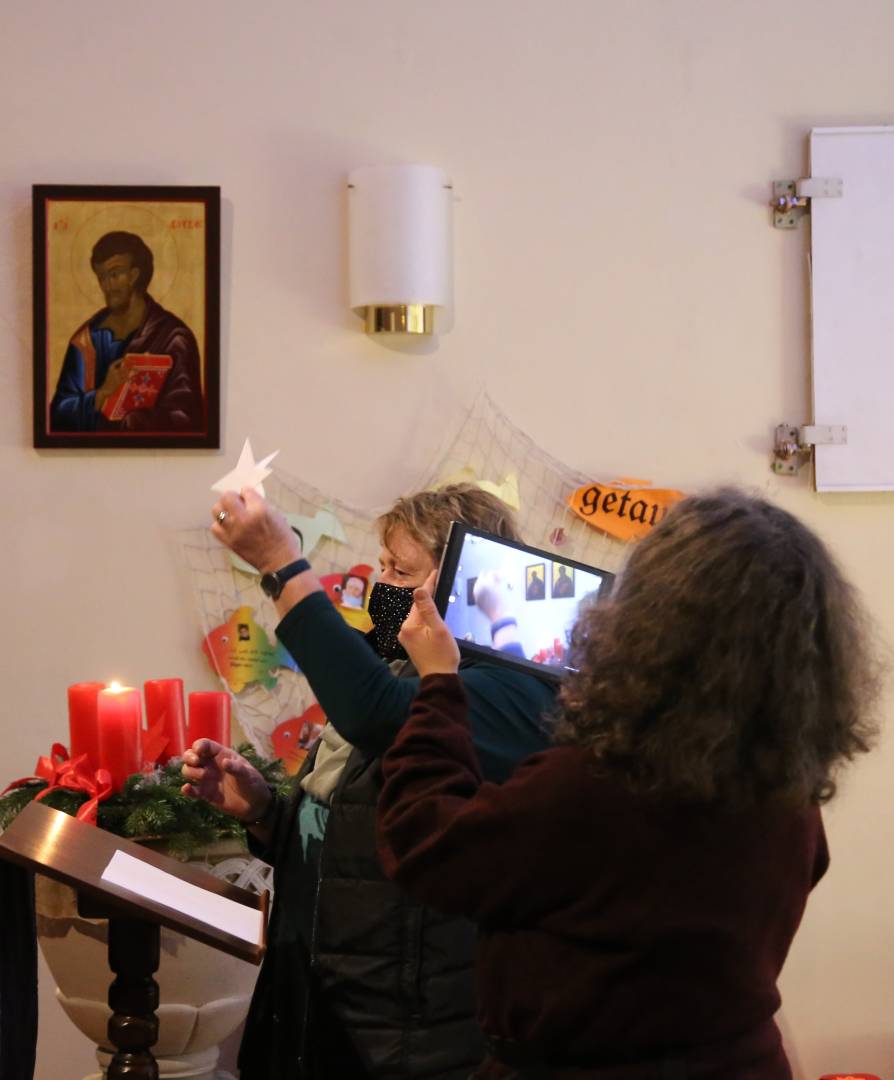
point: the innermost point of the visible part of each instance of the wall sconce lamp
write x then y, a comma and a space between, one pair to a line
399, 222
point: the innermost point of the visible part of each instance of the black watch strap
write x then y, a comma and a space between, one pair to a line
274, 583
268, 812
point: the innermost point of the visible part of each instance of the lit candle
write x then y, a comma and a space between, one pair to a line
164, 706
120, 716
209, 716
83, 730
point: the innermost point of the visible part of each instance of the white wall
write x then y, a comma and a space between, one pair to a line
611, 164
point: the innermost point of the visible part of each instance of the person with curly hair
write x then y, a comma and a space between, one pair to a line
637, 886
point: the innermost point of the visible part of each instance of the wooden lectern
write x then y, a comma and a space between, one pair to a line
59, 846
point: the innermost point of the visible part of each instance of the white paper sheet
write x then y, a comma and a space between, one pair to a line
153, 884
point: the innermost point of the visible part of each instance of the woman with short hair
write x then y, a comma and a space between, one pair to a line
359, 980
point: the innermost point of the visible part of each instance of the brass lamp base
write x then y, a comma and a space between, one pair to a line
400, 319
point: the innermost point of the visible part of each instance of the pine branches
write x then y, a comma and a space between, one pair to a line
152, 807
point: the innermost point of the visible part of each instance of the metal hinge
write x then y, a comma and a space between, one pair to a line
791, 198
793, 444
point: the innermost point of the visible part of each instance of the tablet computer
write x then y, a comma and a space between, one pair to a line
511, 603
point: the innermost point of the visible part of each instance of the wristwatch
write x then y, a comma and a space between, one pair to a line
274, 583
266, 813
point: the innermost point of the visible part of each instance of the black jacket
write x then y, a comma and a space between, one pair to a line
360, 981
384, 986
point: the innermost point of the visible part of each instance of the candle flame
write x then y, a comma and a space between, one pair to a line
115, 686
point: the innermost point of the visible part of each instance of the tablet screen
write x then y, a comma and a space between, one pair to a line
512, 603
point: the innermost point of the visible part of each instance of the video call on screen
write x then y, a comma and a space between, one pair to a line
542, 594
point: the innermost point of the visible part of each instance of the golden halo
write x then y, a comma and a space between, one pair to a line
124, 217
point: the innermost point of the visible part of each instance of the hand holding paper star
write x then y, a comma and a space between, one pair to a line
255, 530
247, 474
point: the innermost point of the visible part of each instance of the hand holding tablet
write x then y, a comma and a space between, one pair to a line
425, 636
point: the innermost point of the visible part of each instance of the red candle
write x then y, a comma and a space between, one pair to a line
209, 716
83, 727
120, 716
164, 706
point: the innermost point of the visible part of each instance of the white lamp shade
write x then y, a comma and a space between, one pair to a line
399, 222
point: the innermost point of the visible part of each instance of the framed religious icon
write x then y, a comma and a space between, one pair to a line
126, 316
562, 582
535, 581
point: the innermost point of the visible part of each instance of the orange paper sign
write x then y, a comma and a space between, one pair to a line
622, 511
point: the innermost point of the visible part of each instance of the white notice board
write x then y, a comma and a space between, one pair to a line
852, 241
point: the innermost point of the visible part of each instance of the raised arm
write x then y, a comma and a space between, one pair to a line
368, 704
467, 847
360, 695
446, 837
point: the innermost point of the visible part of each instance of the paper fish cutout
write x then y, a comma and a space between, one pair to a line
507, 491
240, 652
292, 738
311, 531
340, 588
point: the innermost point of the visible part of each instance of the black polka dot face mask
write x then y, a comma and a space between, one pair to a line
389, 605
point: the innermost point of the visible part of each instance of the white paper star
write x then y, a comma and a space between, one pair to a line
247, 474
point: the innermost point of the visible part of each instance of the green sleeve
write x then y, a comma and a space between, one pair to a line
367, 703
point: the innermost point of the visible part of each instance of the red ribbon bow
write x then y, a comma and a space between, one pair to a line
155, 742
60, 771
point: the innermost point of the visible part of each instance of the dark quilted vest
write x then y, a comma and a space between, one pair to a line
388, 988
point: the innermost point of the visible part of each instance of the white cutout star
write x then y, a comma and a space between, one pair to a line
247, 474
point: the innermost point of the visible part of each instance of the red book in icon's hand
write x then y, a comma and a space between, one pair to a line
146, 374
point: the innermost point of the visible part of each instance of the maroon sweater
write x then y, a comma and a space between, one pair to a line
616, 931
